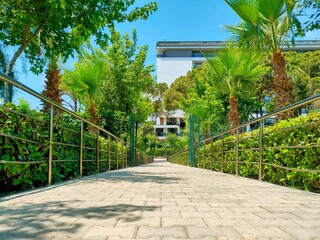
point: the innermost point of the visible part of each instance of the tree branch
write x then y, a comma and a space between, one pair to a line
23, 46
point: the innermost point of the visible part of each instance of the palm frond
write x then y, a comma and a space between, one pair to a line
272, 10
248, 10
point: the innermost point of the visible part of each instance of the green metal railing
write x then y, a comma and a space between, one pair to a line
225, 152
106, 151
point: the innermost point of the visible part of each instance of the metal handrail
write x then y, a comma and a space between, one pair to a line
119, 154
279, 111
23, 87
208, 156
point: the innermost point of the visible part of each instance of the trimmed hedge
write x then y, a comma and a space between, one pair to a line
15, 177
303, 131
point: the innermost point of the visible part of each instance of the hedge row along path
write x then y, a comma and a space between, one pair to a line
161, 201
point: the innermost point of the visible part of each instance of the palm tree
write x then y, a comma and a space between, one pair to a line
235, 74
52, 87
85, 81
265, 24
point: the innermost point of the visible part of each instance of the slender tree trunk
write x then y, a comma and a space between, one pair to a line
27, 38
282, 86
233, 114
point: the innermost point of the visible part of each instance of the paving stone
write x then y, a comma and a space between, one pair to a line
226, 232
147, 221
303, 233
161, 201
103, 232
174, 232
179, 222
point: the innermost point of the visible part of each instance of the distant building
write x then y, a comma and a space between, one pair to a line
175, 59
169, 124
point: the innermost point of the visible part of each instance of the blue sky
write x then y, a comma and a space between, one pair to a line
182, 20
175, 20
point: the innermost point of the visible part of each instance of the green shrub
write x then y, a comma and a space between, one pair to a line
302, 131
33, 125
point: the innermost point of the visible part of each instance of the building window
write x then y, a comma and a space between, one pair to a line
196, 64
197, 54
172, 121
173, 130
182, 123
164, 54
160, 132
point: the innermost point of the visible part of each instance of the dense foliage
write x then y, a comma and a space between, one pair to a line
33, 126
278, 141
264, 26
49, 26
111, 83
196, 93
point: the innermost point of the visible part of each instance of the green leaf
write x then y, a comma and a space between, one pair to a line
16, 182
26, 180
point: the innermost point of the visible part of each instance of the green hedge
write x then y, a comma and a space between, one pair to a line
15, 177
302, 131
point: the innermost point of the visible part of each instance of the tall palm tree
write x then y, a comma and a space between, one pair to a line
265, 24
85, 80
235, 74
52, 83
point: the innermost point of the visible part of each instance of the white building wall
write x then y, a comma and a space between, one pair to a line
169, 69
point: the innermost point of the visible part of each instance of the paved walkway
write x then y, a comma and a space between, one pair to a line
161, 201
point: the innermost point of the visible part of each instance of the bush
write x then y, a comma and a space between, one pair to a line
33, 126
278, 143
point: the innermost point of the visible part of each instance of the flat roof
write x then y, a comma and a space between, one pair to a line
299, 45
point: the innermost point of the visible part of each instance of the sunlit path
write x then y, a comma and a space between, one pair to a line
161, 201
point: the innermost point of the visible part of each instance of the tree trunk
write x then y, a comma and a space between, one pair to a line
52, 89
27, 38
94, 117
282, 86
233, 114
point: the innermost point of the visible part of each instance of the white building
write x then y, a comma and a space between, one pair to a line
175, 59
173, 124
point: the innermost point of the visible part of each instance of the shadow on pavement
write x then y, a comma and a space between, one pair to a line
134, 177
40, 220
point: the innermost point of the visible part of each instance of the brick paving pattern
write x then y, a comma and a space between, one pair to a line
161, 201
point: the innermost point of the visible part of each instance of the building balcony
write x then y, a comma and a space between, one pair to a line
167, 126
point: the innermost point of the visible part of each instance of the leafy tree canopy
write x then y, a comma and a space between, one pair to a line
310, 9
36, 26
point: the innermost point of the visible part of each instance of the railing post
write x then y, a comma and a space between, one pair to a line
204, 155
126, 155
132, 146
211, 155
117, 155
81, 149
50, 146
98, 151
261, 149
109, 154
122, 153
222, 153
237, 153
191, 151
